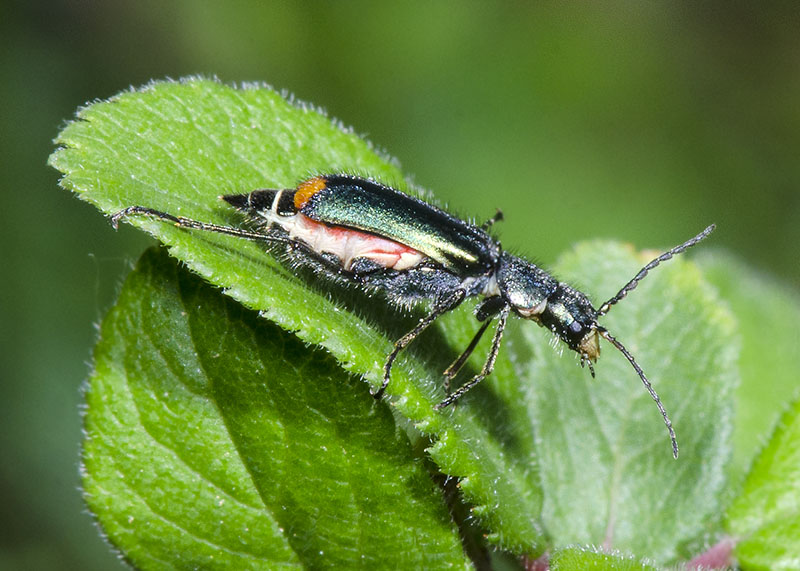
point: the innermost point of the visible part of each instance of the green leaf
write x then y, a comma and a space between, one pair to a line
216, 440
768, 313
177, 146
608, 475
603, 454
765, 516
579, 559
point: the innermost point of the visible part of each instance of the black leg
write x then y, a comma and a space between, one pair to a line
455, 367
194, 224
449, 303
488, 366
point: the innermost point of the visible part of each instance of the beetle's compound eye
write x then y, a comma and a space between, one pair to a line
575, 328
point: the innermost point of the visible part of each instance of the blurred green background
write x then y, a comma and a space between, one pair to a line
638, 121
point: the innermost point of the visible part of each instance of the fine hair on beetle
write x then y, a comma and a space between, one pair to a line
355, 231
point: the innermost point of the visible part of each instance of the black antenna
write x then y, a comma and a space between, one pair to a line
631, 285
611, 339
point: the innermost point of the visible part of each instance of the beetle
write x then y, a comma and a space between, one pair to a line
356, 231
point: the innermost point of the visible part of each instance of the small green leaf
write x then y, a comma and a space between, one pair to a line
768, 313
178, 146
607, 469
765, 516
579, 559
215, 440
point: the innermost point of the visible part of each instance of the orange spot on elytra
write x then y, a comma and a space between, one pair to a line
305, 190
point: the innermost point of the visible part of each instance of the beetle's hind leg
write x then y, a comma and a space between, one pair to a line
450, 302
182, 222
151, 212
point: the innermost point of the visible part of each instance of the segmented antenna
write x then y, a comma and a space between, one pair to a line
611, 339
631, 285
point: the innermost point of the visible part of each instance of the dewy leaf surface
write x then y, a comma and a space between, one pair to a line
216, 440
607, 470
765, 517
178, 146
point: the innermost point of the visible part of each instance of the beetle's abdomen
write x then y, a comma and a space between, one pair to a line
279, 208
349, 245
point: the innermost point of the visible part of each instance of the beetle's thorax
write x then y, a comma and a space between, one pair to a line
534, 294
525, 287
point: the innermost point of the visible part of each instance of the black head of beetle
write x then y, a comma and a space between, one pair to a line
534, 294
